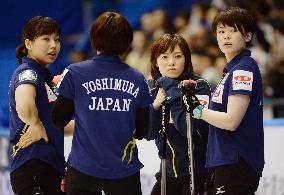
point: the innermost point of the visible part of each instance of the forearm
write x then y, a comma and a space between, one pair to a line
230, 120
29, 114
62, 112
218, 119
25, 96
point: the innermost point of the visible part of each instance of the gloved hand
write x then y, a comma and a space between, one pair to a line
189, 100
170, 86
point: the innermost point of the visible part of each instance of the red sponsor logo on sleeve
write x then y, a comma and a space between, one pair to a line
217, 92
242, 78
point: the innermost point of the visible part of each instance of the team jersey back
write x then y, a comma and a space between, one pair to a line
106, 94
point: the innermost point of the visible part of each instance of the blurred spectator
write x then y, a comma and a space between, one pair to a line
240, 3
181, 22
198, 39
275, 85
82, 49
4, 155
214, 72
77, 56
147, 25
211, 13
263, 59
160, 22
220, 63
278, 42
155, 23
200, 62
199, 15
139, 56
262, 15
220, 4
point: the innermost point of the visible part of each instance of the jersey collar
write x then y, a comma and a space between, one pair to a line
236, 59
109, 58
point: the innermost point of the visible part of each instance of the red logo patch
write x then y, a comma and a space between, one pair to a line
217, 92
242, 78
203, 102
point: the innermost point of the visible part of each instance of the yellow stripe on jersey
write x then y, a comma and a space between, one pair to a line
133, 144
16, 148
173, 157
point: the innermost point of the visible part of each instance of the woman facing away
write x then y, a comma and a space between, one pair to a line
109, 101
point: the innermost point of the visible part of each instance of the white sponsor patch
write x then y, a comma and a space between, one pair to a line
28, 75
62, 76
203, 100
242, 80
50, 95
218, 94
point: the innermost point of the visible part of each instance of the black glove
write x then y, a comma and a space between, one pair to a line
189, 100
170, 86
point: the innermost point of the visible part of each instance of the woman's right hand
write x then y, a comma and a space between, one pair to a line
33, 134
160, 98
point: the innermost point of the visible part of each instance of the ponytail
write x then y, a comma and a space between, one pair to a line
21, 51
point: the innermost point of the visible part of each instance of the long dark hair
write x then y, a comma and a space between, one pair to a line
35, 27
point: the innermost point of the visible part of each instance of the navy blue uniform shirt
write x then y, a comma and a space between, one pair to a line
106, 94
177, 143
242, 76
30, 72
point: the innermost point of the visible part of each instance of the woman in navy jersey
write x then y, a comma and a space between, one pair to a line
235, 153
37, 155
171, 64
109, 101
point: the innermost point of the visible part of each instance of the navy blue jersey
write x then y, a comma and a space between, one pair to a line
30, 72
177, 143
106, 94
242, 76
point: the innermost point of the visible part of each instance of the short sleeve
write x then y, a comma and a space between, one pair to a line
241, 80
27, 76
66, 85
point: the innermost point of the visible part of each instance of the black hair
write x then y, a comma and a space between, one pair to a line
238, 18
35, 27
111, 34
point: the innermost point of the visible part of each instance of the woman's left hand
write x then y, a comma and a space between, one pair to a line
33, 134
